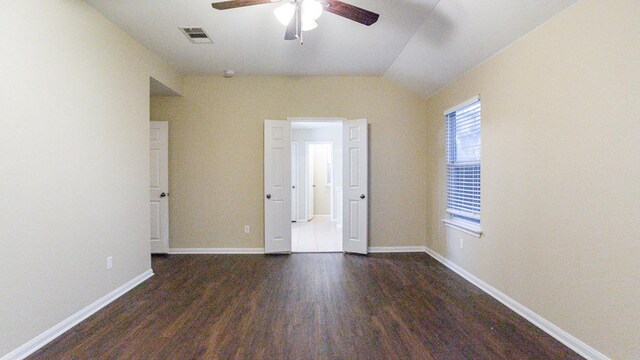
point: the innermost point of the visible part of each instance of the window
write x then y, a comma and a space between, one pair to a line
463, 162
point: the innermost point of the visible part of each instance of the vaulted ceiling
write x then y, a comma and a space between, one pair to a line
422, 44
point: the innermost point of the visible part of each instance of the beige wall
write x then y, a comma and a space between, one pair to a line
74, 112
216, 154
560, 174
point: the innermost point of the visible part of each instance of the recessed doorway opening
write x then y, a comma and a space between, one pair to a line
316, 178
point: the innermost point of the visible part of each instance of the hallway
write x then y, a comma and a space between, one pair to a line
317, 235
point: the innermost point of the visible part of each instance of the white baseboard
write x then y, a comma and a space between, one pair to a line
545, 325
59, 329
396, 249
220, 251
230, 251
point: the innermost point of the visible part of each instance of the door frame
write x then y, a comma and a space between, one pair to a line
345, 123
307, 180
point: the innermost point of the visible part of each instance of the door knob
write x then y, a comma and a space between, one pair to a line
268, 196
293, 187
362, 196
163, 195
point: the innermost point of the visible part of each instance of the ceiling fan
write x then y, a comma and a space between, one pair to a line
301, 15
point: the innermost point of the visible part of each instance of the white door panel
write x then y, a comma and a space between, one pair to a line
294, 181
310, 188
355, 190
159, 186
277, 186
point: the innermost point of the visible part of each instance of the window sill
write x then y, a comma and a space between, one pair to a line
463, 226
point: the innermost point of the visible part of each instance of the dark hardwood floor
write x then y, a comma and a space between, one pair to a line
304, 306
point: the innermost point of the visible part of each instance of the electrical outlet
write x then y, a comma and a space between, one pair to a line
247, 229
461, 243
109, 262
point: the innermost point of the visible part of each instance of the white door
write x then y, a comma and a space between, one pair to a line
277, 186
310, 185
355, 187
159, 186
294, 181
322, 189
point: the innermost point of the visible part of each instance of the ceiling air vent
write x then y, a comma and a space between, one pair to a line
196, 35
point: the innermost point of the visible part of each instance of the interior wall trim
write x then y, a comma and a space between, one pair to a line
49, 335
230, 251
221, 251
396, 249
545, 325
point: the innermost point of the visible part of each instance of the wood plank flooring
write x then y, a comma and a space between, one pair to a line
304, 306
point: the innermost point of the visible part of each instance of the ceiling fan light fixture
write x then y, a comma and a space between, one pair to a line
308, 24
311, 9
284, 13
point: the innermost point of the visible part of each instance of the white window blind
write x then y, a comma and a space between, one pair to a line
463, 162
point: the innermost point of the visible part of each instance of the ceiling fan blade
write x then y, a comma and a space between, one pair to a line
292, 32
351, 12
294, 27
224, 5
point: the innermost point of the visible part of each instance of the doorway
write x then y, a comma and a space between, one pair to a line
318, 174
349, 162
319, 184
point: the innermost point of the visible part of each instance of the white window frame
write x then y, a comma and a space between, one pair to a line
450, 220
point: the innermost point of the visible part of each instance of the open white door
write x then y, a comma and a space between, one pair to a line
355, 183
159, 186
277, 186
294, 181
311, 194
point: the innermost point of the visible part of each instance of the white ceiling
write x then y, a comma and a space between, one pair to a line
422, 44
461, 34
